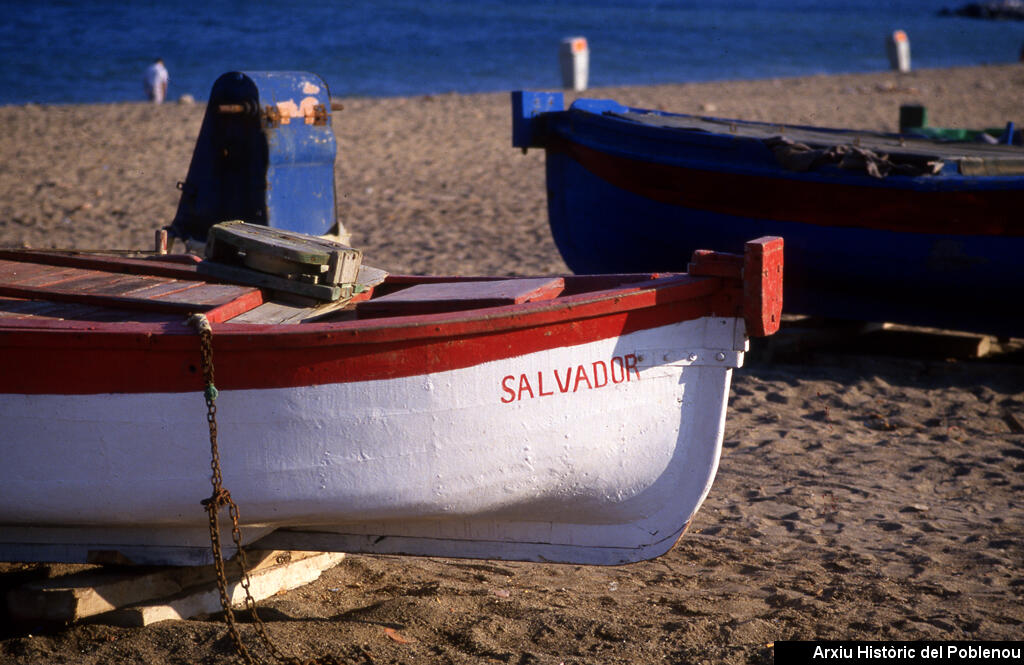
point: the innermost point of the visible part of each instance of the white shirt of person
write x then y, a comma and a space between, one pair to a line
156, 82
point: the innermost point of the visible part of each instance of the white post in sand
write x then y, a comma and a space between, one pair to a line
574, 58
898, 46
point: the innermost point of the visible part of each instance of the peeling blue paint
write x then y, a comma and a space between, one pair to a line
265, 155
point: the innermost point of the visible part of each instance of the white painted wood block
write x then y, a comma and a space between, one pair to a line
205, 599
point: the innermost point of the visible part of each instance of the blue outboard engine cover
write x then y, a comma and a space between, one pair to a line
265, 155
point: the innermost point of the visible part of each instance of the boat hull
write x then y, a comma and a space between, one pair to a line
580, 420
937, 250
598, 452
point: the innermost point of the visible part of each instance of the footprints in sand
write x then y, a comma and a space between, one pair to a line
901, 478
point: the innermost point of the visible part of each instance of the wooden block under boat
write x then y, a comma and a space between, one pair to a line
453, 296
205, 599
143, 595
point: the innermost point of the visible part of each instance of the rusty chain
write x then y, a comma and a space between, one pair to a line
220, 498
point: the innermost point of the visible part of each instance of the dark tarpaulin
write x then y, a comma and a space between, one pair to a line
801, 157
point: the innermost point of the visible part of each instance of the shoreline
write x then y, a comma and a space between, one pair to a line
177, 99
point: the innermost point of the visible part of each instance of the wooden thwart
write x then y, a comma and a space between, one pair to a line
454, 296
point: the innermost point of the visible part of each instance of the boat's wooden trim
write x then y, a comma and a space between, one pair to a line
760, 269
762, 286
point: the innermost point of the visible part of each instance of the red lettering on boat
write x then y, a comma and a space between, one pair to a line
511, 393
631, 365
524, 386
568, 376
597, 374
622, 372
540, 386
581, 373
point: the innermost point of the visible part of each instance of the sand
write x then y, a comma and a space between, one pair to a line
861, 495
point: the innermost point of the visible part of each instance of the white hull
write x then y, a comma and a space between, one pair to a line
606, 467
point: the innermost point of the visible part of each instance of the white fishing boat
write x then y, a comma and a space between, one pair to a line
574, 419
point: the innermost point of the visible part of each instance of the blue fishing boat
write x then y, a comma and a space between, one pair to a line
878, 227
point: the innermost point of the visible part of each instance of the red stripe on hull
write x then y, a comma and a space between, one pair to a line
977, 212
94, 358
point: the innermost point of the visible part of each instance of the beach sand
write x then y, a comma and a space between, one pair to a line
860, 495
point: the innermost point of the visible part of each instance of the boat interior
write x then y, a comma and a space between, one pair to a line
62, 286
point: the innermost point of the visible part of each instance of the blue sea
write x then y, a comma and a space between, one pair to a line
82, 51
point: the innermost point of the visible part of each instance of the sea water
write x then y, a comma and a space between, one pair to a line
95, 51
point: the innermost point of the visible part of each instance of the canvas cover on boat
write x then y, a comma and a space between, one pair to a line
802, 157
876, 153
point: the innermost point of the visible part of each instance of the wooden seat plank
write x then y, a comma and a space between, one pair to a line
31, 274
164, 295
18, 308
200, 293
94, 288
65, 278
45, 310
87, 281
11, 271
129, 285
159, 288
453, 296
120, 265
11, 308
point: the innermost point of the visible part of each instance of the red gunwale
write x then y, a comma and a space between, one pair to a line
79, 357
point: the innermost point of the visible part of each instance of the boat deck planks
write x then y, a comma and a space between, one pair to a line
98, 289
44, 310
45, 292
275, 312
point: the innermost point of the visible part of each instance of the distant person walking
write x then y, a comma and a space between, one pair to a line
156, 81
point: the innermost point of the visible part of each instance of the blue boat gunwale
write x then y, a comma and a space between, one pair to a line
602, 124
